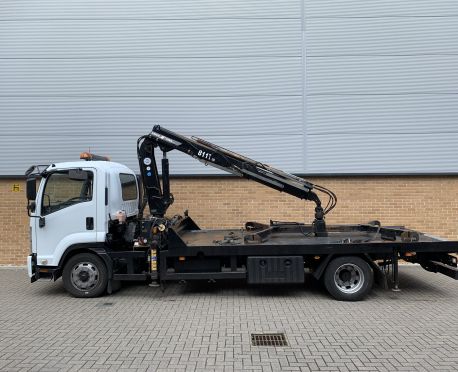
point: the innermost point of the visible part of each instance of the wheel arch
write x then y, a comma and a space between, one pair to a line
321, 268
96, 249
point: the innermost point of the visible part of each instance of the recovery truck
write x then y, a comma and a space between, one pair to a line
87, 225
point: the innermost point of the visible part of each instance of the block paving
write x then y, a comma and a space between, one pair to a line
207, 327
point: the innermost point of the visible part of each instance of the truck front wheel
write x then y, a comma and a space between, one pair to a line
348, 278
85, 275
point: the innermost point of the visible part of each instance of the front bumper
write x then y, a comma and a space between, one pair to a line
36, 272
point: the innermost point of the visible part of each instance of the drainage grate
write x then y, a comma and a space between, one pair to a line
105, 304
268, 339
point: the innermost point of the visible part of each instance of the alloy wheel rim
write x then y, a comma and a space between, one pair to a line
349, 278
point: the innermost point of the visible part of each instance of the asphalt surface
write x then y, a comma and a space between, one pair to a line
206, 327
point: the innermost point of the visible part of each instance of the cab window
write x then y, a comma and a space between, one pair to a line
128, 186
64, 189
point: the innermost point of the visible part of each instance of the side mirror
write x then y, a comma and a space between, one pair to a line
31, 188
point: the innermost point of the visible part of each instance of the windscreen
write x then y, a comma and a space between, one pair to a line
62, 191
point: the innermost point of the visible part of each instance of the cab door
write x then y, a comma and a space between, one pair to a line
68, 208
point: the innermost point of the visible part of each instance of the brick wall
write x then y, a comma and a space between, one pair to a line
429, 204
14, 230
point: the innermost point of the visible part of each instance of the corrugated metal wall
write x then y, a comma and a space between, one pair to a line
382, 85
321, 86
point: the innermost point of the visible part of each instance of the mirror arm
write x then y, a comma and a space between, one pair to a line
31, 208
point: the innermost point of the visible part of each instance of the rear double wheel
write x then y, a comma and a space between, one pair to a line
348, 278
85, 275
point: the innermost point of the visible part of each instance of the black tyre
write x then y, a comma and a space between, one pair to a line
348, 278
85, 275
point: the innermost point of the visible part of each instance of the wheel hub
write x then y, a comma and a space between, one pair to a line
84, 276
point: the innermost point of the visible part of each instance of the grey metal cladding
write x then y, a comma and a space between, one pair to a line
381, 86
130, 38
380, 8
147, 9
381, 153
113, 69
391, 113
378, 75
398, 36
313, 86
244, 116
152, 77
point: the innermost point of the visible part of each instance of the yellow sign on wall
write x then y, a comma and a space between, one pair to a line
16, 187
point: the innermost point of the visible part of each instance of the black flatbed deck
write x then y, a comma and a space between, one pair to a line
217, 237
299, 239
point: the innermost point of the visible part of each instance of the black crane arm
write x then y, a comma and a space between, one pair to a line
159, 198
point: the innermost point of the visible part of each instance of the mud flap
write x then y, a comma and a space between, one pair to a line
379, 275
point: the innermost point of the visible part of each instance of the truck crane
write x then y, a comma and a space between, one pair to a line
88, 226
210, 154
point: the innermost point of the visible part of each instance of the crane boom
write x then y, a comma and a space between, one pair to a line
159, 197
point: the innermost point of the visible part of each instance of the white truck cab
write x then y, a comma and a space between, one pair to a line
73, 206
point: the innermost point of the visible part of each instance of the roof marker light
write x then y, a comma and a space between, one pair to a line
88, 156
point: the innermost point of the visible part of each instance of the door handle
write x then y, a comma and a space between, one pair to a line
89, 223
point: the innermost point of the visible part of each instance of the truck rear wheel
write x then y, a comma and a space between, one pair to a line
348, 278
85, 275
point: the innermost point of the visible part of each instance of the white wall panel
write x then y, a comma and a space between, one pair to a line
380, 8
135, 116
388, 35
98, 74
382, 153
157, 9
151, 38
151, 77
381, 86
382, 74
364, 114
